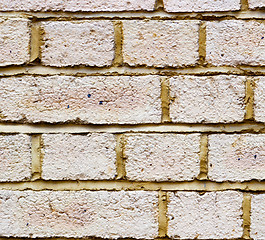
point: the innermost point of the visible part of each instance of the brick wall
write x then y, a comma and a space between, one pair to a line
137, 119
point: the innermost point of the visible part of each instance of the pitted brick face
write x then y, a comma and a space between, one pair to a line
89, 43
161, 43
92, 99
201, 5
77, 5
79, 214
14, 41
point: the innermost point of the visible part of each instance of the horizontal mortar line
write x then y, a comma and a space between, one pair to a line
125, 70
158, 14
116, 185
148, 128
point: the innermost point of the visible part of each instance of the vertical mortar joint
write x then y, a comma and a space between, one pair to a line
165, 99
246, 206
36, 153
120, 157
203, 157
162, 217
249, 99
35, 42
159, 5
118, 36
244, 5
202, 43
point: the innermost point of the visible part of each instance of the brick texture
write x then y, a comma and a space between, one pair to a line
201, 5
236, 157
162, 157
79, 214
215, 215
235, 42
253, 4
14, 41
161, 43
257, 217
97, 99
259, 99
76, 5
15, 158
79, 157
207, 99
88, 43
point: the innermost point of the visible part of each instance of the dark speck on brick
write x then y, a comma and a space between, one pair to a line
262, 38
27, 224
238, 159
89, 95
101, 102
255, 156
68, 106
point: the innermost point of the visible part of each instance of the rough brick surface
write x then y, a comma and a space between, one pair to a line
79, 214
76, 5
15, 157
259, 99
237, 157
90, 157
207, 99
253, 4
161, 43
14, 41
257, 231
201, 5
213, 215
162, 157
235, 42
95, 99
78, 43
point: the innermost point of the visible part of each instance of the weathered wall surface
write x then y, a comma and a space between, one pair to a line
139, 119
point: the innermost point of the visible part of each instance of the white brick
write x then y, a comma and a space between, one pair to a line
161, 43
253, 4
257, 226
88, 43
94, 99
162, 157
236, 157
235, 42
259, 99
213, 215
79, 214
76, 5
15, 157
14, 41
201, 5
211, 99
79, 157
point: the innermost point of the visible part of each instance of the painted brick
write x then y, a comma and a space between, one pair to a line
236, 157
94, 99
235, 42
162, 157
15, 157
201, 5
257, 217
79, 157
211, 99
14, 41
79, 214
213, 215
259, 99
161, 43
253, 4
88, 43
76, 5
